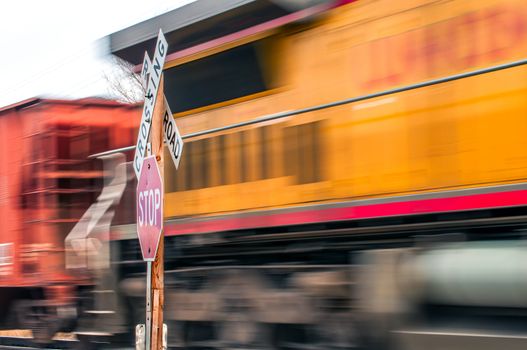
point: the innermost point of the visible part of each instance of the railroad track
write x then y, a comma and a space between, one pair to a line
27, 343
10, 342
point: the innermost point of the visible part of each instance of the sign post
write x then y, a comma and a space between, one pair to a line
157, 271
149, 224
150, 199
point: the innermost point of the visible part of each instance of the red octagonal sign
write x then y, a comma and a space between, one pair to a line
149, 208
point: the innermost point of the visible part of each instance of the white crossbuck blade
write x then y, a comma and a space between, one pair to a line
151, 76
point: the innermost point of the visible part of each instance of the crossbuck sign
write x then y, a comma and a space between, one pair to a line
150, 200
151, 76
150, 99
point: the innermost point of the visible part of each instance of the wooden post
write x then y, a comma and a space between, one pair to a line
158, 283
156, 331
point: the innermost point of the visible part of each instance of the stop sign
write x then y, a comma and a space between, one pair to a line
149, 208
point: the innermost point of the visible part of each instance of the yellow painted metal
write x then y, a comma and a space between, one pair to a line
461, 134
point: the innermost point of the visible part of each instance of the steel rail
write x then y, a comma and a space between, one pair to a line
286, 114
258, 267
27, 343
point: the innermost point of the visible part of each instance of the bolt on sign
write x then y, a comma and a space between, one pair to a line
149, 208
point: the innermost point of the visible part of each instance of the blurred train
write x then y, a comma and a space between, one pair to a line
354, 176
46, 183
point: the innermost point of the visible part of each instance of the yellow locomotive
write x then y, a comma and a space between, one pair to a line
427, 141
347, 169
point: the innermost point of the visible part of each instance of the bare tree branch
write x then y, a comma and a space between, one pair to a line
123, 83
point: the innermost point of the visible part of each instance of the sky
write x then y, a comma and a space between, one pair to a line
53, 48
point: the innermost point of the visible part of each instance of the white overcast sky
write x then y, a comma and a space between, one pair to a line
51, 48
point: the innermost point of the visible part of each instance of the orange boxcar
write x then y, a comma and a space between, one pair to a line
46, 184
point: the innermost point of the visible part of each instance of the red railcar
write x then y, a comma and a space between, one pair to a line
46, 183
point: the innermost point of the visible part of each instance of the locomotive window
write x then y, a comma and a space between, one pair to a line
221, 77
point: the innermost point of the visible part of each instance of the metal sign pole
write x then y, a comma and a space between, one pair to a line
159, 118
148, 322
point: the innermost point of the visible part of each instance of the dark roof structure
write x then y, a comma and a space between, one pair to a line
82, 102
201, 21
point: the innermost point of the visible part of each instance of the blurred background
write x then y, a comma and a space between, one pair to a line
353, 174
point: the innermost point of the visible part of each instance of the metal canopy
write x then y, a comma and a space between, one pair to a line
198, 22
